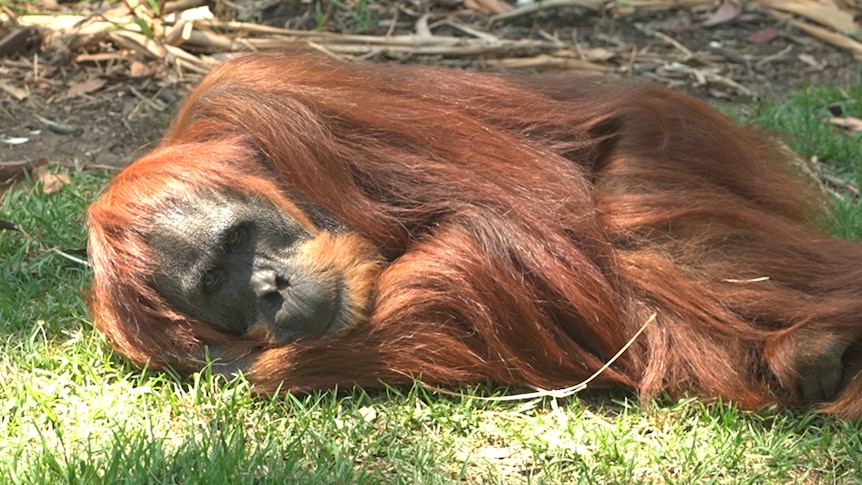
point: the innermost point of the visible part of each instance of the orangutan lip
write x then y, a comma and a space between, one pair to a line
337, 310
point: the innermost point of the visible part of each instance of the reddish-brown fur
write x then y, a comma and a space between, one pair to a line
530, 228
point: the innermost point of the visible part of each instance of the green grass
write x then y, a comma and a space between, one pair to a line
804, 114
355, 16
803, 117
71, 411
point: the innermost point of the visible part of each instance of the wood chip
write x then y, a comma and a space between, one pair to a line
16, 93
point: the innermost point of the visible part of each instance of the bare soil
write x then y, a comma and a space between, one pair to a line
98, 115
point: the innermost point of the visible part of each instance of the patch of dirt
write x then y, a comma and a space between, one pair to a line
676, 49
107, 128
106, 113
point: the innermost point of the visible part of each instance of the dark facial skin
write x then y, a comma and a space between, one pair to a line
234, 261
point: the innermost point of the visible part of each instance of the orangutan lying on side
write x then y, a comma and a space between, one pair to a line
314, 224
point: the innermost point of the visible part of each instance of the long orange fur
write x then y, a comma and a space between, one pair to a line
530, 227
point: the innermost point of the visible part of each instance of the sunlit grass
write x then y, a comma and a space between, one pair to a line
804, 118
71, 411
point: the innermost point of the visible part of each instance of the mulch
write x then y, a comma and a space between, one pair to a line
92, 84
138, 38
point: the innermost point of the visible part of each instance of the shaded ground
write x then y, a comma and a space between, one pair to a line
95, 114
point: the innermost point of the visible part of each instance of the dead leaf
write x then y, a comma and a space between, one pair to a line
849, 123
821, 12
8, 225
762, 36
488, 7
727, 11
15, 140
51, 182
598, 54
84, 87
10, 171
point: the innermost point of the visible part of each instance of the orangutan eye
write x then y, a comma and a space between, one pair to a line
233, 239
211, 281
